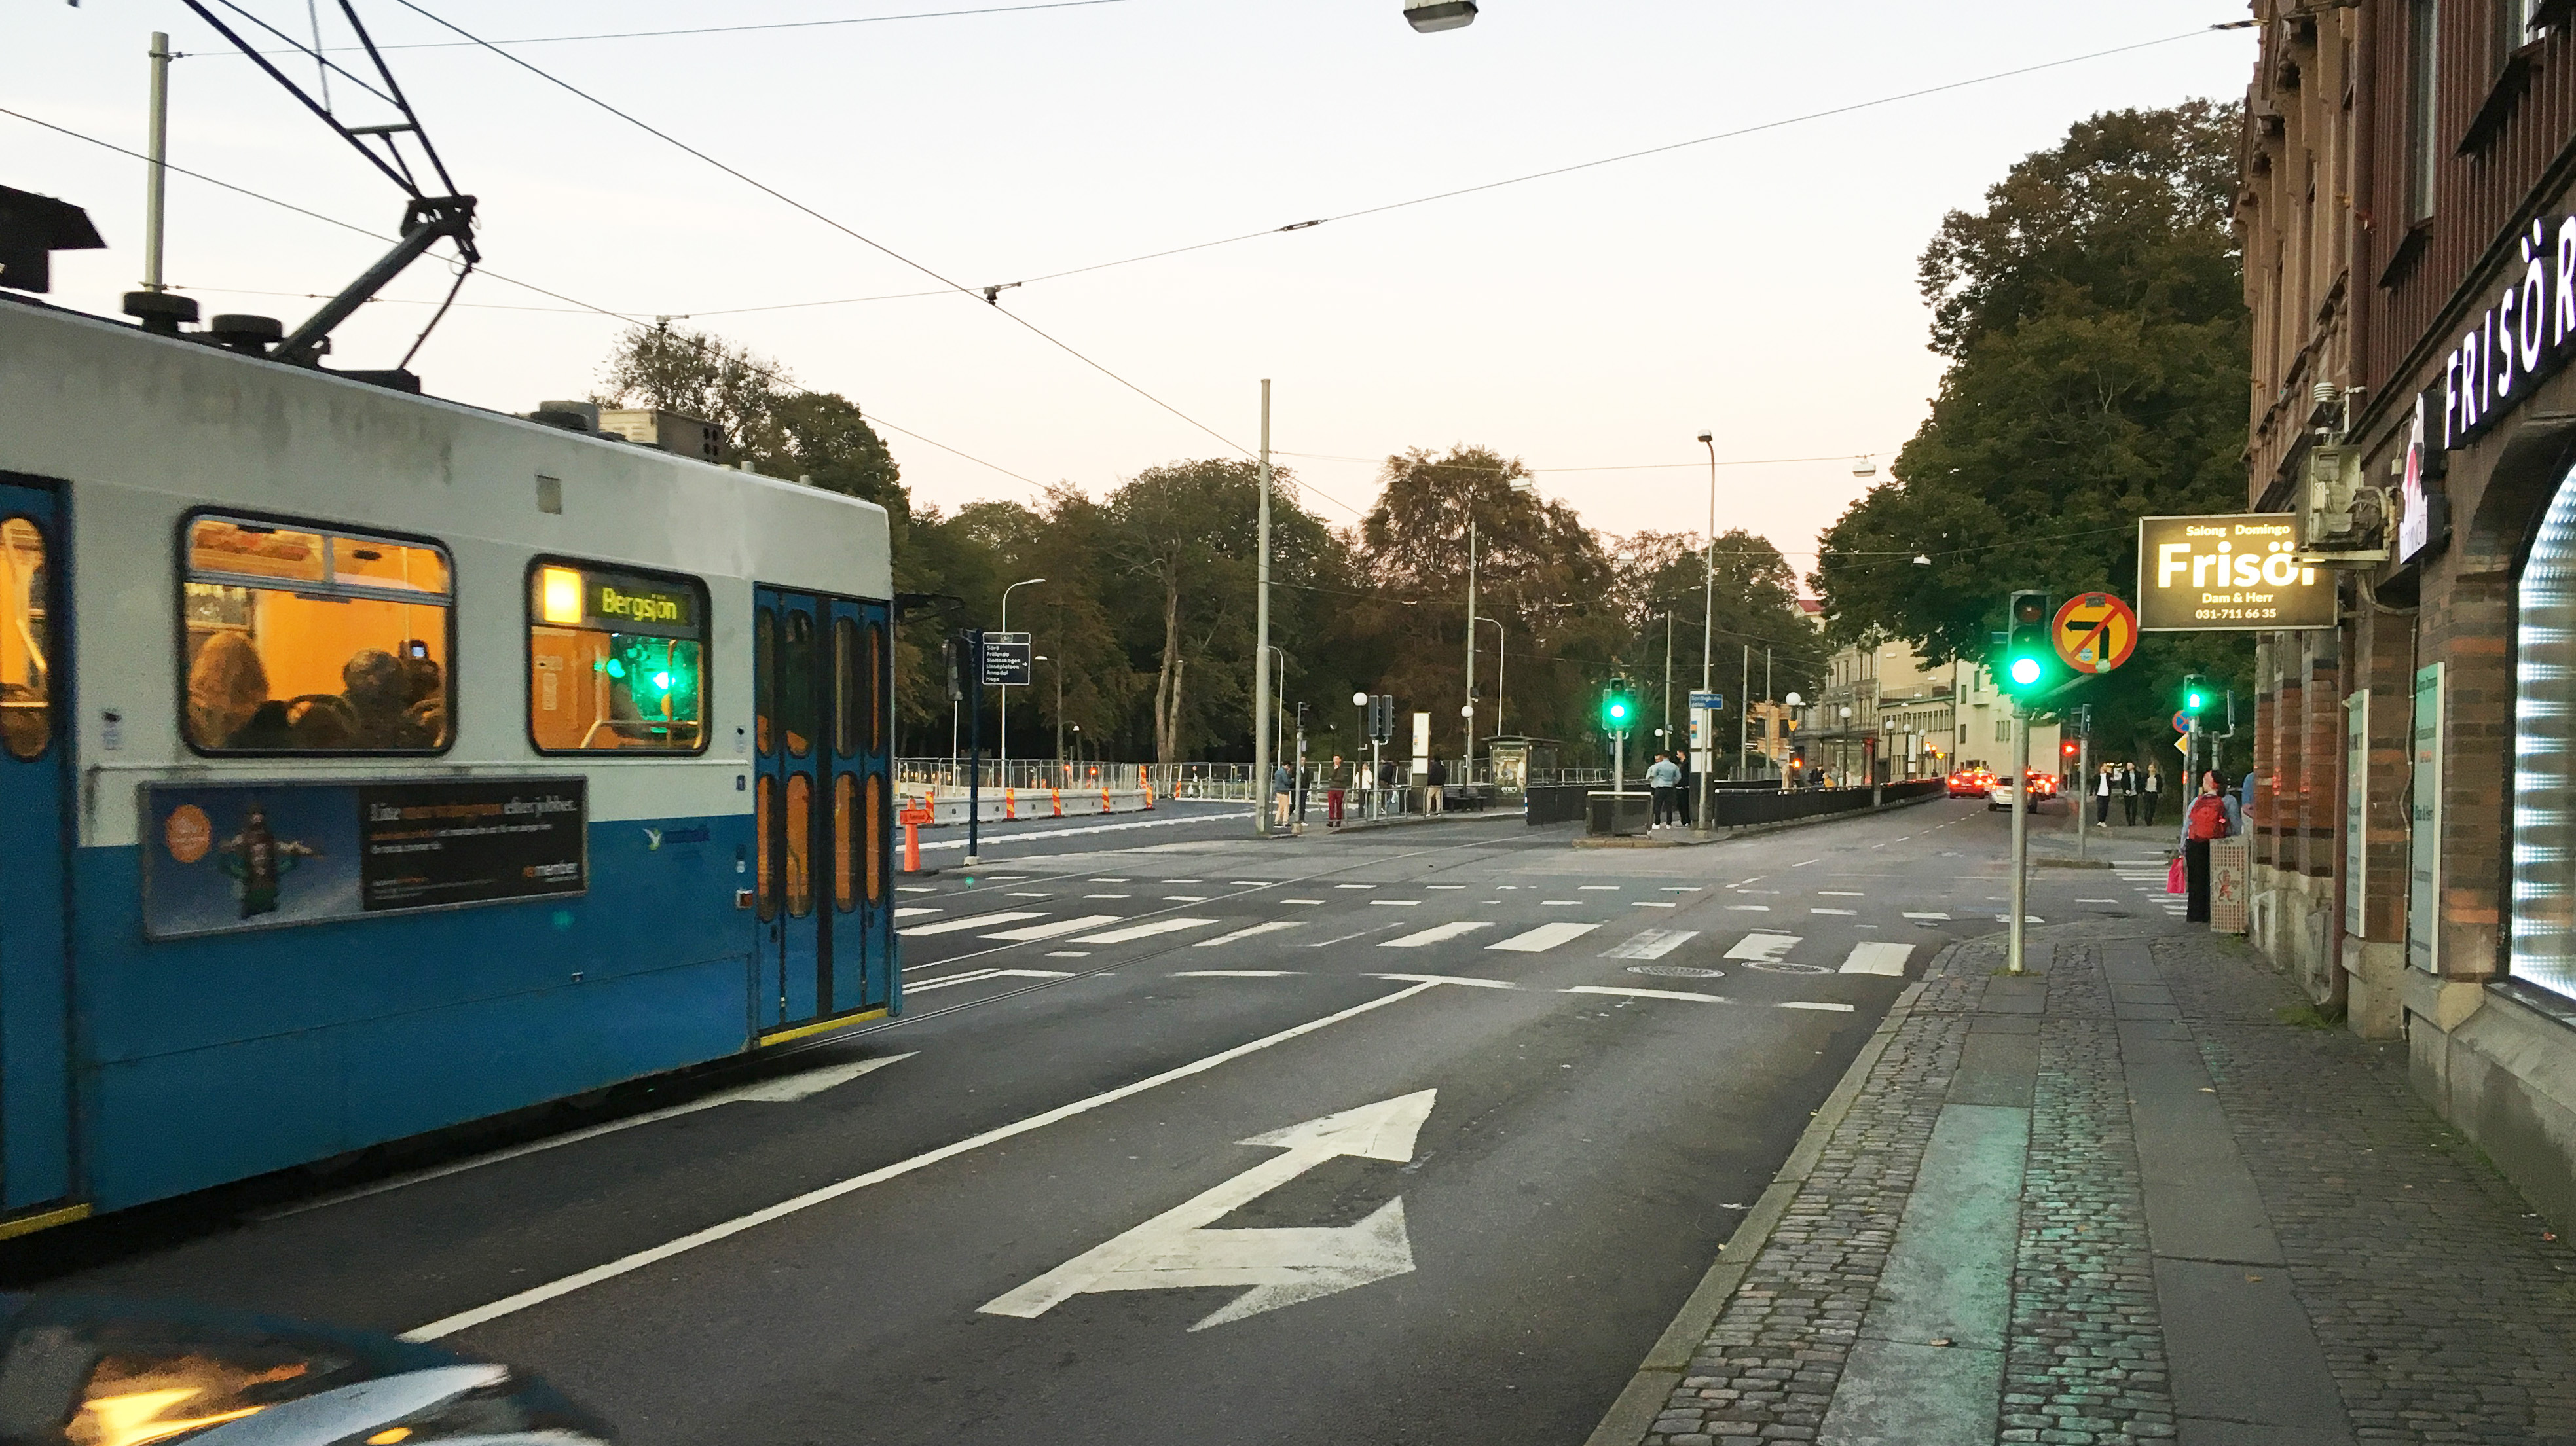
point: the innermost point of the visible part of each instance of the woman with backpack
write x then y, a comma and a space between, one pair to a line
2211, 816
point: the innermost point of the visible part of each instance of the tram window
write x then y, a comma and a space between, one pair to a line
875, 682
874, 838
800, 845
768, 866
616, 661
765, 671
306, 640
849, 687
796, 701
845, 861
26, 647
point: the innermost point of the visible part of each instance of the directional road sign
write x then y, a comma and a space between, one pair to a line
1006, 660
1707, 700
2094, 632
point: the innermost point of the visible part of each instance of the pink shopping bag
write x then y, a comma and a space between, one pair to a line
2177, 878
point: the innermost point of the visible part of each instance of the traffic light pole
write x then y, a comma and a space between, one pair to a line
2020, 838
2083, 791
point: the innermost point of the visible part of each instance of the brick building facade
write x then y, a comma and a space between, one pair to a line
2409, 170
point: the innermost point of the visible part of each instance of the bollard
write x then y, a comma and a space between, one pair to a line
1010, 803
1149, 793
1104, 798
1057, 798
911, 818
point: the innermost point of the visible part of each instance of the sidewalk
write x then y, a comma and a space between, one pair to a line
2136, 1194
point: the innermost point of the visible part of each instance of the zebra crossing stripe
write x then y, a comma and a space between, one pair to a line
1433, 935
1272, 927
1764, 948
1054, 928
980, 921
914, 911
1146, 930
1543, 938
1874, 958
1652, 944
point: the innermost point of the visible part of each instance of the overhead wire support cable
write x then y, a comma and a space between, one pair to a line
742, 29
784, 199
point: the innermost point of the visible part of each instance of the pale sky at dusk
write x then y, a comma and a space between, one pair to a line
1762, 286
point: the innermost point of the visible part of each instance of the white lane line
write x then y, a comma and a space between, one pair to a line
1433, 935
1652, 944
1875, 958
1652, 904
1840, 894
1355, 886
1110, 881
786, 1089
1804, 863
1272, 927
1396, 903
1301, 901
1599, 888
1838, 913
1239, 974
1542, 938
979, 921
1812, 1004
1068, 953
1146, 930
914, 889
1054, 928
2026, 918
1757, 878
1016, 894
554, 1289
1647, 993
1428, 979
1764, 948
1681, 888
1444, 886
1558, 903
2098, 901
1346, 938
1253, 883
914, 911
974, 975
1748, 908
1927, 916
1185, 898
1109, 896
1176, 881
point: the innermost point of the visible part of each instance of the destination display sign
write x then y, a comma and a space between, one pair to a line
617, 602
220, 858
2238, 572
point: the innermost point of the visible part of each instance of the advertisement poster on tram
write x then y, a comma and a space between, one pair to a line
221, 858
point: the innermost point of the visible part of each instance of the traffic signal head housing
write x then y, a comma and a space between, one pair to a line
1618, 707
2029, 665
2197, 695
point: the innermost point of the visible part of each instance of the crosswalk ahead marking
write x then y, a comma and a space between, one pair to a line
1652, 944
1764, 948
979, 921
1053, 928
1433, 935
1871, 958
1272, 927
1543, 938
1145, 930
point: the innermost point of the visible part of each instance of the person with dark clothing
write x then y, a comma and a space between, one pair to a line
1437, 780
379, 691
2129, 793
2151, 788
2211, 817
1336, 784
1663, 777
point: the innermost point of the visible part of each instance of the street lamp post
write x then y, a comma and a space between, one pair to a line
1004, 747
1261, 640
1499, 674
1701, 813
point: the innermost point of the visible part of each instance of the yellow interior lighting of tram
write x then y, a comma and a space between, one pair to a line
559, 595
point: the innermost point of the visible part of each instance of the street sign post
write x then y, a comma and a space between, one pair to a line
2094, 632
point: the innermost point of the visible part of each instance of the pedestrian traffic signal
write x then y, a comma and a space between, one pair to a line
2197, 695
2030, 665
2067, 748
1618, 707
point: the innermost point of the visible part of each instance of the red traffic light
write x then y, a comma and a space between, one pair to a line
2066, 748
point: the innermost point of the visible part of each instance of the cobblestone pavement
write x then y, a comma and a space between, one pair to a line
2443, 1312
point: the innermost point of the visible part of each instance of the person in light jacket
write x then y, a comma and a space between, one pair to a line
1665, 778
1283, 791
2102, 797
2152, 787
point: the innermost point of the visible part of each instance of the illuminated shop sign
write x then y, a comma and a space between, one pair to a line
2228, 573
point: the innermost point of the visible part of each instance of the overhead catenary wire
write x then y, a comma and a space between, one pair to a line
739, 29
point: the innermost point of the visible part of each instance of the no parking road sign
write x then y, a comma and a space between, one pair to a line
2095, 632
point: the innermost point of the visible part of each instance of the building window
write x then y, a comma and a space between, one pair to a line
307, 640
2423, 104
616, 661
2003, 730
2544, 770
2512, 30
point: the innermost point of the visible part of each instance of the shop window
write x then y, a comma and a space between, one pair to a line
307, 640
2544, 771
616, 661
26, 647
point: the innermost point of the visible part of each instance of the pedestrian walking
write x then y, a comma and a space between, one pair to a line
2211, 817
1337, 782
2129, 793
1283, 790
1435, 794
2154, 786
1664, 777
2102, 798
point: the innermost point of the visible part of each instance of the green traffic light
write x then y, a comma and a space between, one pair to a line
2025, 670
2195, 702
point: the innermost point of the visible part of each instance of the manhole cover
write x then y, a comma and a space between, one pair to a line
1774, 966
1676, 971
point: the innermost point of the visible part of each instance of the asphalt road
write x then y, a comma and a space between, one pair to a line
1065, 1200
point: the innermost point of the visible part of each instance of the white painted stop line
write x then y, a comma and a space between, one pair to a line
1764, 948
1543, 938
1144, 931
1433, 935
980, 921
1870, 958
1652, 944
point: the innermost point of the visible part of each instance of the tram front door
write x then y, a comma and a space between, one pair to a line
35, 1014
822, 672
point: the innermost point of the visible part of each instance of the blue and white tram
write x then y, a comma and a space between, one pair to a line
372, 764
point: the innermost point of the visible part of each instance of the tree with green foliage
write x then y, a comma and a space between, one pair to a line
1665, 575
2094, 319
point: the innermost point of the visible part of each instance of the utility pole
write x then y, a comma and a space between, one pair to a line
1261, 642
1744, 718
156, 177
1702, 814
975, 763
1468, 773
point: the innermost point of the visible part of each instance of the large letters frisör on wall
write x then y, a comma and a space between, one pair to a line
2228, 573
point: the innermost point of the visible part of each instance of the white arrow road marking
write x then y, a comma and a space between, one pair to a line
1432, 935
784, 1090
1055, 928
626, 1264
1542, 938
1652, 944
1176, 1250
1767, 948
1272, 927
1144, 931
979, 921
1878, 959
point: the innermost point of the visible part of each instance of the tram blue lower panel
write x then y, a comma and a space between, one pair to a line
208, 1060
